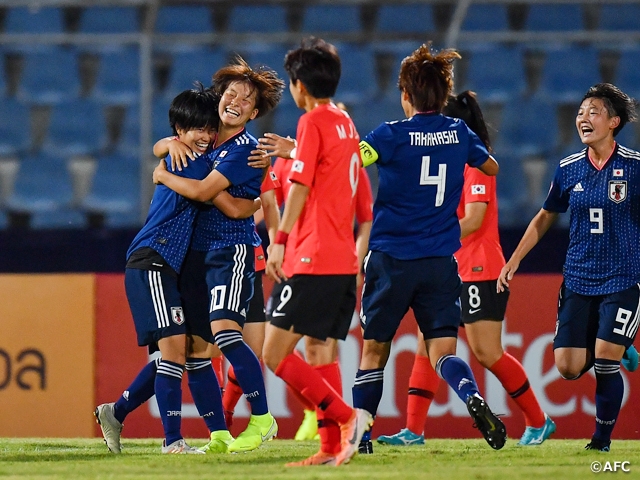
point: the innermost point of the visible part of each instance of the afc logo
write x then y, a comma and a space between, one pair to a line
618, 190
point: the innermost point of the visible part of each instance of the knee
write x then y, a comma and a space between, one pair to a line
486, 357
568, 371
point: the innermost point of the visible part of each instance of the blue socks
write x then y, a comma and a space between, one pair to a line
458, 375
609, 391
205, 391
367, 389
168, 388
246, 368
140, 390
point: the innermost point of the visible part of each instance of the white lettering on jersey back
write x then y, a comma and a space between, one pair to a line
432, 139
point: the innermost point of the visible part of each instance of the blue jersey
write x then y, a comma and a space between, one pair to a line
603, 255
214, 229
170, 220
421, 173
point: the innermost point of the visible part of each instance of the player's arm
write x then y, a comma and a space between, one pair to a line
362, 246
538, 226
234, 207
277, 146
368, 154
270, 213
199, 190
490, 167
180, 153
474, 213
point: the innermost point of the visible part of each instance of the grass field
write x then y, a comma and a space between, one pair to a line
439, 459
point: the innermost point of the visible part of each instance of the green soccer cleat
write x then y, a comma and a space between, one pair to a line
308, 428
402, 438
261, 428
219, 443
535, 436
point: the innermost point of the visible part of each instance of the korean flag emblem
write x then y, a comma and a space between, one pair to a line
477, 190
297, 166
618, 190
177, 315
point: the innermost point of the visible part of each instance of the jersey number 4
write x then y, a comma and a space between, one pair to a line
437, 180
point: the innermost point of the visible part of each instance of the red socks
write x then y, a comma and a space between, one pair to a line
216, 363
232, 392
328, 429
423, 385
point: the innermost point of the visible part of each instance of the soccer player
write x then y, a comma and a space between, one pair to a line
415, 233
480, 260
315, 291
225, 245
598, 308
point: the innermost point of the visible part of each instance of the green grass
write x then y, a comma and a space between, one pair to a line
72, 459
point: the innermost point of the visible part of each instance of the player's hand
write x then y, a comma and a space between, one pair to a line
161, 167
259, 159
276, 145
180, 154
506, 275
275, 254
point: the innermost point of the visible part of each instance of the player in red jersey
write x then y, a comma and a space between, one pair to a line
316, 279
480, 261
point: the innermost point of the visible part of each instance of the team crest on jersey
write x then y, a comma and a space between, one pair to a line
618, 190
273, 176
177, 315
297, 166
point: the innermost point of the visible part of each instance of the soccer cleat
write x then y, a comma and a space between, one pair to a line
111, 428
365, 447
351, 434
598, 445
535, 436
319, 458
261, 428
219, 443
630, 359
309, 426
492, 428
402, 438
180, 447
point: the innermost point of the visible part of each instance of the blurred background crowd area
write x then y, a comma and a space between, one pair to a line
85, 86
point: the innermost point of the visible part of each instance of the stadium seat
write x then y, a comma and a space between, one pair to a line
15, 127
370, 114
42, 185
49, 76
628, 136
285, 119
199, 64
3, 71
33, 20
554, 17
63, 217
358, 78
620, 16
109, 20
331, 18
407, 18
184, 19
496, 73
257, 19
486, 17
160, 120
129, 139
568, 72
76, 128
118, 76
627, 76
391, 55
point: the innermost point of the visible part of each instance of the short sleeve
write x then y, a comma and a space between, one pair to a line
478, 187
308, 137
270, 182
478, 153
234, 165
557, 199
364, 198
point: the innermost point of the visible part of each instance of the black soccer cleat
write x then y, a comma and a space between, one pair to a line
599, 445
365, 447
492, 428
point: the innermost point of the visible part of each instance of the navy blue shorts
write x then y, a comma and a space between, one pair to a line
195, 295
230, 275
429, 286
256, 312
583, 318
155, 304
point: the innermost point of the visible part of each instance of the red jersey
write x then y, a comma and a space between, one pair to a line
282, 168
270, 182
328, 162
480, 257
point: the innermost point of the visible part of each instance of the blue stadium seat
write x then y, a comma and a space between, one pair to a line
486, 17
628, 136
49, 76
118, 76
554, 17
42, 185
33, 20
15, 127
129, 140
369, 115
257, 19
412, 18
63, 217
628, 74
331, 18
184, 19
529, 127
76, 128
617, 16
397, 51
3, 83
115, 192
160, 120
191, 65
496, 73
285, 119
568, 72
358, 77
109, 20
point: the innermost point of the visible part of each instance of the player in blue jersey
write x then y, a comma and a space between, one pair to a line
598, 308
415, 233
226, 246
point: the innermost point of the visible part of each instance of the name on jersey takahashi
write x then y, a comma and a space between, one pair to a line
432, 139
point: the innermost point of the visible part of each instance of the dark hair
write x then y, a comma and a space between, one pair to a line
316, 64
194, 108
617, 103
427, 77
465, 107
267, 84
